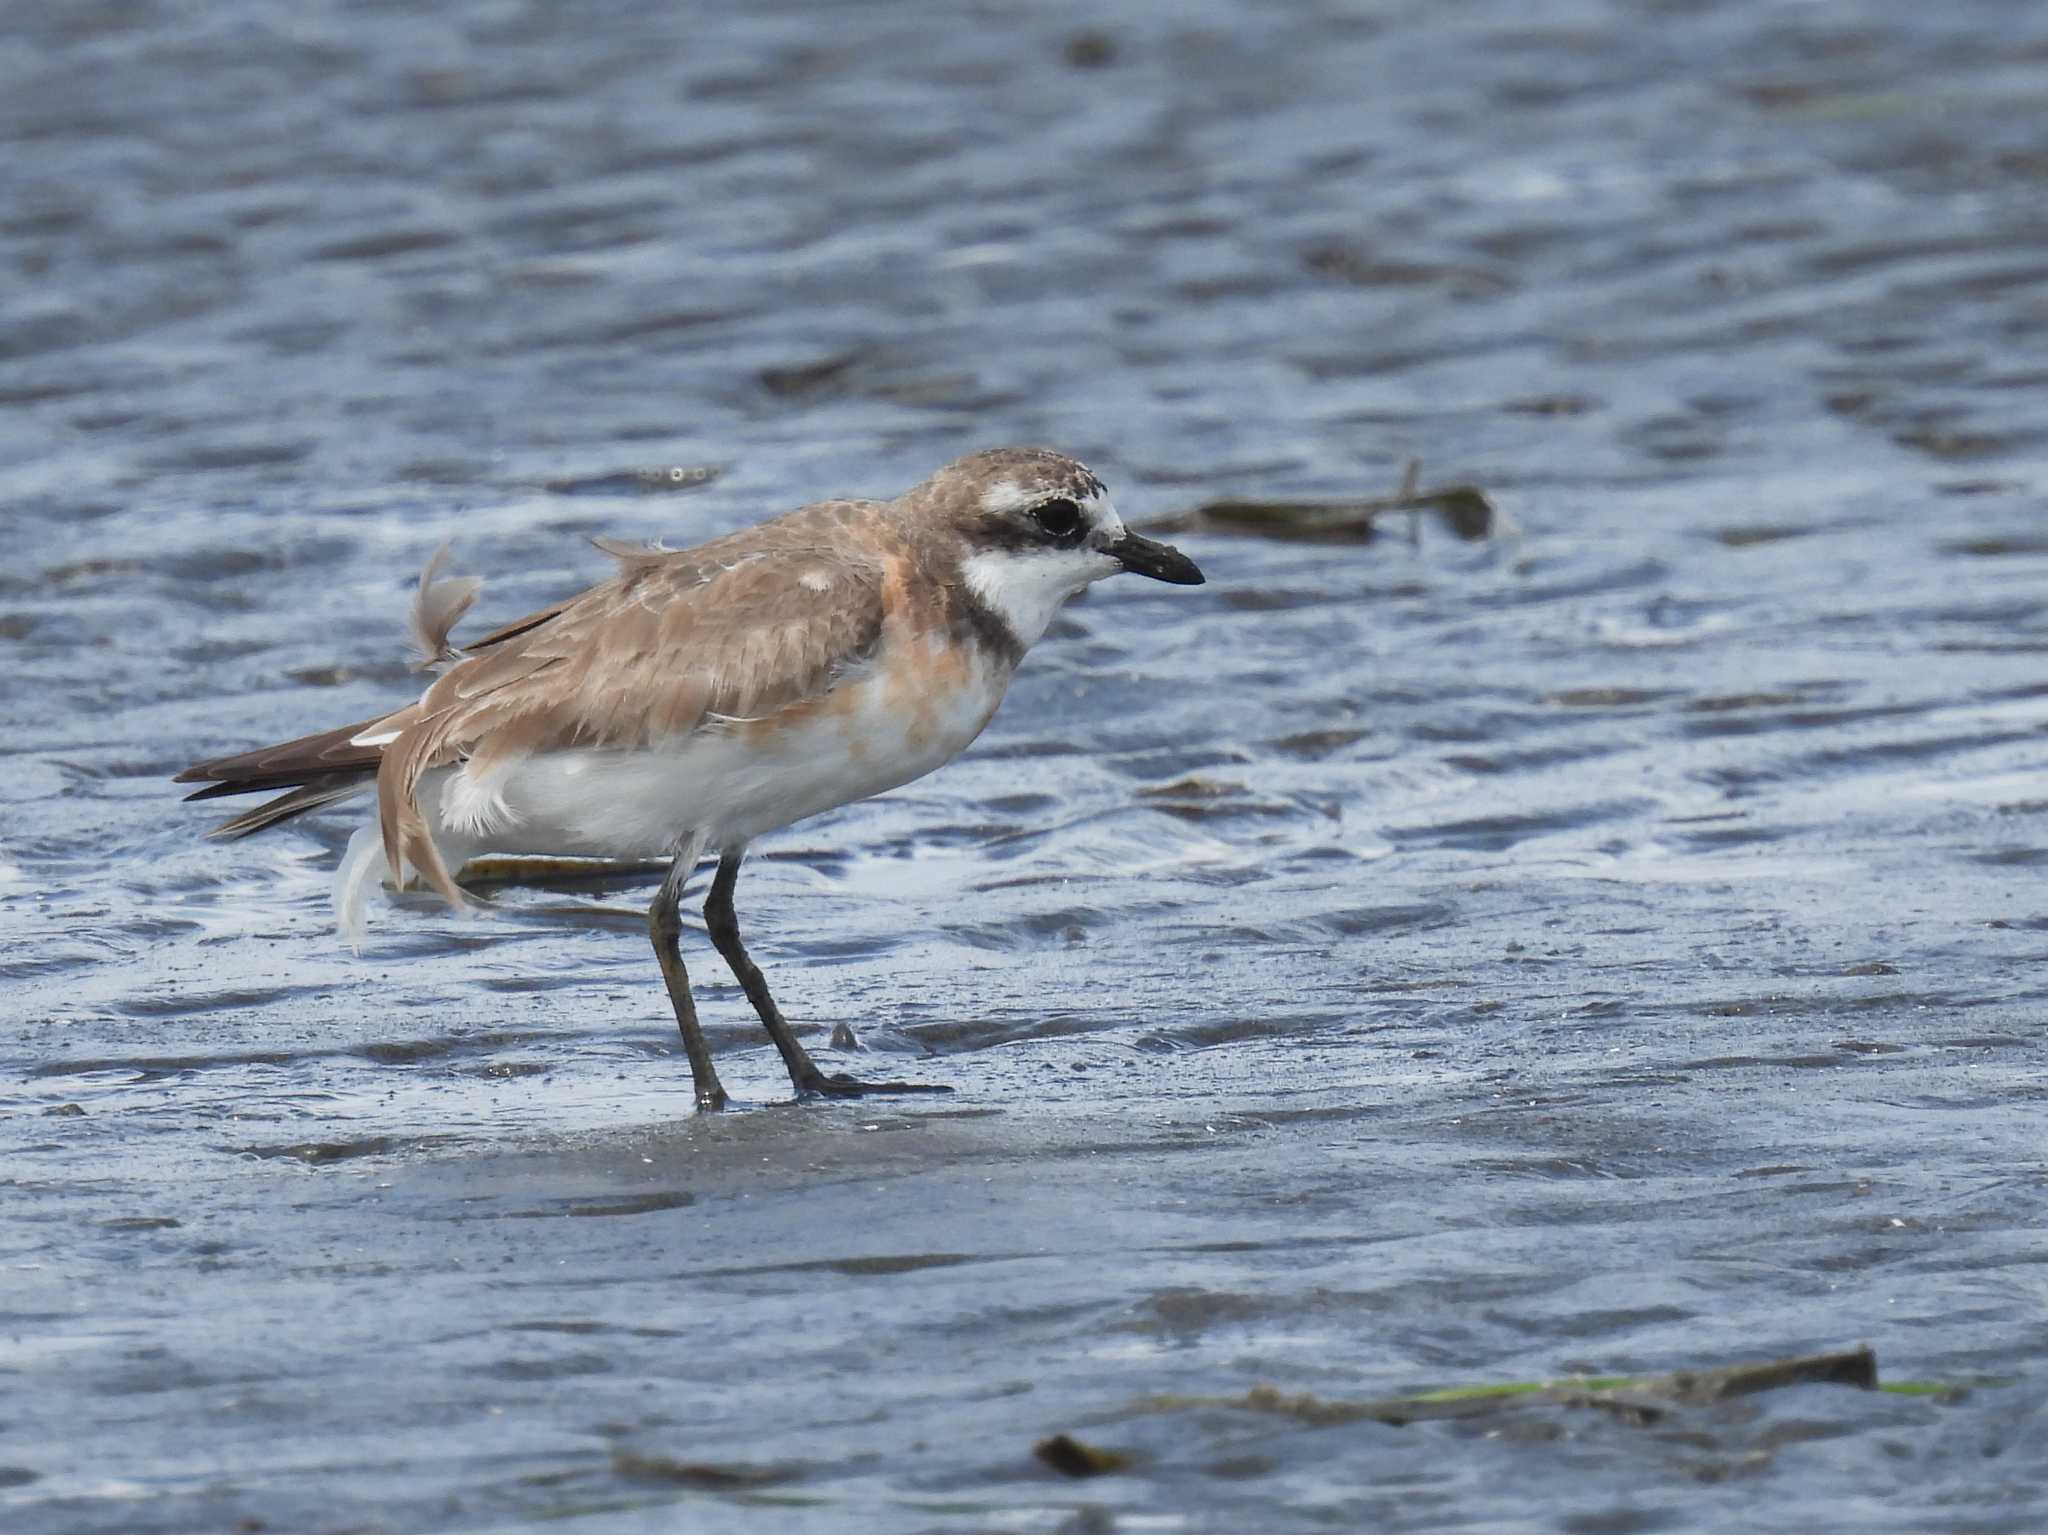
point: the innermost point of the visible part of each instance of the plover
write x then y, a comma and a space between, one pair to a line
703, 697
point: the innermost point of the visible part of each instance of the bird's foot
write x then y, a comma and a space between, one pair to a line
711, 1099
818, 1085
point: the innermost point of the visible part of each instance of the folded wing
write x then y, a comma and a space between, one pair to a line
675, 641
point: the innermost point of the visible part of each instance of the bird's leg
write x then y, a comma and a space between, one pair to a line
724, 928
665, 927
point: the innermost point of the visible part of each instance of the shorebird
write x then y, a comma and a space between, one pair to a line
701, 698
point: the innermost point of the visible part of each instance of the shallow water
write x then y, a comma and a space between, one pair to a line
1614, 947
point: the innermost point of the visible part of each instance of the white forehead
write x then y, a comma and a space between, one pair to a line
1003, 496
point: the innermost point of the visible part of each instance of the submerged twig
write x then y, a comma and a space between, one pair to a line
1638, 1398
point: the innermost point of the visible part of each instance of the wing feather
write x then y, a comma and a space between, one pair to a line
285, 764
741, 628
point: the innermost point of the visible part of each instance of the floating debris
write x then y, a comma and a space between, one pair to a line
1360, 269
1464, 510
1070, 1457
1639, 1399
635, 482
807, 378
704, 1476
1089, 49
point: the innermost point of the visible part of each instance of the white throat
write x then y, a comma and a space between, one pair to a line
1025, 589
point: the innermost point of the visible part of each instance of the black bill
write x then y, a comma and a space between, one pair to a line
1162, 562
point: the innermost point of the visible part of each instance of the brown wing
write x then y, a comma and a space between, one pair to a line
742, 627
619, 549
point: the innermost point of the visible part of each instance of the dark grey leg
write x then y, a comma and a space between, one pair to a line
665, 927
724, 928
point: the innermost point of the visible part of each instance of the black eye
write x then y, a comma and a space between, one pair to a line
1059, 520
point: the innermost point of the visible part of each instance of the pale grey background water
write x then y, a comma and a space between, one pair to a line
1617, 947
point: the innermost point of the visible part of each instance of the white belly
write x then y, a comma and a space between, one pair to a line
726, 782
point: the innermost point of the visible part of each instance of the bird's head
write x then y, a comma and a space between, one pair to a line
1037, 527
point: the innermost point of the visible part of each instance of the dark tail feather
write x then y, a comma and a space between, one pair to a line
306, 797
318, 770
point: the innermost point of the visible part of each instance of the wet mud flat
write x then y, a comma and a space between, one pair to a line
1605, 948
866, 1314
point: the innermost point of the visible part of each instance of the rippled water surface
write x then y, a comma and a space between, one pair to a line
1612, 947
